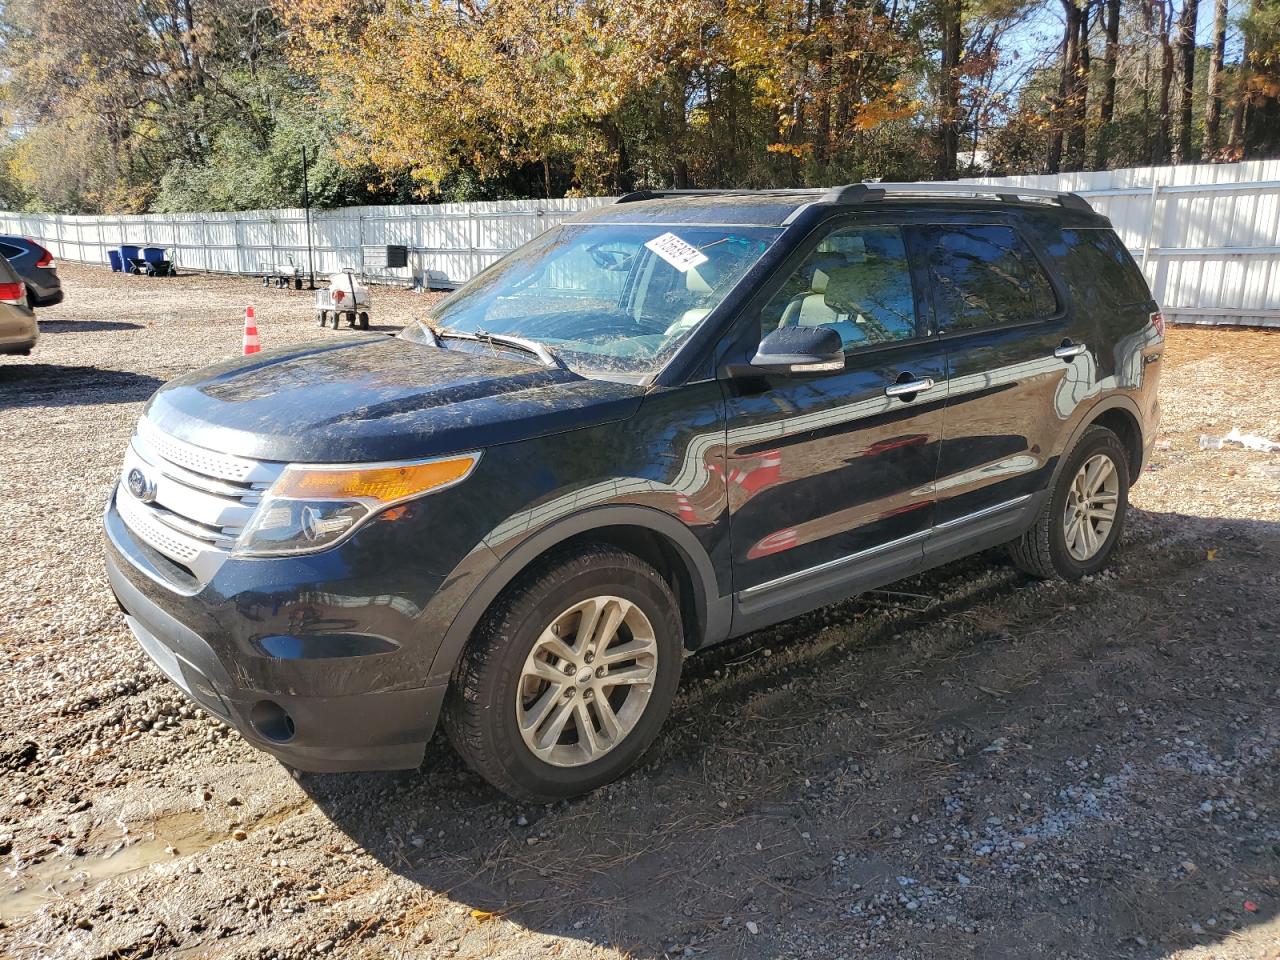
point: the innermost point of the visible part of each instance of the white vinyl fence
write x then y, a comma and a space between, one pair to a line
448, 243
1208, 236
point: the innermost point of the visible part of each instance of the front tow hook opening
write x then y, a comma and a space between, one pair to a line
272, 721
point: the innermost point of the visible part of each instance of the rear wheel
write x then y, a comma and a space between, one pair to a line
1079, 526
364, 320
569, 677
321, 317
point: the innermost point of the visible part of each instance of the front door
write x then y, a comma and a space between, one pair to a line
830, 476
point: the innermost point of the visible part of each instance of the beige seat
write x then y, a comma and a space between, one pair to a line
835, 295
811, 310
697, 285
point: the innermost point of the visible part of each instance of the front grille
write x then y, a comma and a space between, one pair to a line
203, 499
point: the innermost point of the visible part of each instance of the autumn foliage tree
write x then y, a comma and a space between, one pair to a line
207, 104
602, 95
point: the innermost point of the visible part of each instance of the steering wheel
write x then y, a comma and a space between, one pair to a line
608, 259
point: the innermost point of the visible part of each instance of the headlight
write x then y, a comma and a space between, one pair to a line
312, 507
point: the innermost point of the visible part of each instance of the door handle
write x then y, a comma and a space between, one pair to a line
1066, 350
911, 386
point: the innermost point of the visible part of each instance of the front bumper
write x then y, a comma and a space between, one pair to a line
322, 715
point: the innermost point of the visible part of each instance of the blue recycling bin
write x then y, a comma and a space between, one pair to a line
117, 265
129, 253
153, 254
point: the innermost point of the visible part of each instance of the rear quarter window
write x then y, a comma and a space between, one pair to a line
1097, 268
9, 251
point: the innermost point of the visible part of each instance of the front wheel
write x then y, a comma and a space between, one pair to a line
1079, 526
569, 677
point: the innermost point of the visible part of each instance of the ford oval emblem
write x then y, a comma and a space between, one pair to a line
140, 486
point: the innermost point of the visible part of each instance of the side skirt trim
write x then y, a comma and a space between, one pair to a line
829, 565
881, 548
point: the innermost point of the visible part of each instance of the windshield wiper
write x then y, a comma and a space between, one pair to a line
541, 351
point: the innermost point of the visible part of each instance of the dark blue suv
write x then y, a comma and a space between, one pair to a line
667, 422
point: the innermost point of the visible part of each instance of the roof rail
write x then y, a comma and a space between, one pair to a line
657, 193
853, 193
636, 195
867, 192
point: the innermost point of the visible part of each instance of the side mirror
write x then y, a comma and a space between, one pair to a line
800, 350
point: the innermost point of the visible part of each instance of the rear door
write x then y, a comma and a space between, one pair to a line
830, 478
1017, 366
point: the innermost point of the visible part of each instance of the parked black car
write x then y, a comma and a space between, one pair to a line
36, 266
664, 423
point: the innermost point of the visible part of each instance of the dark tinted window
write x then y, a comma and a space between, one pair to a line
857, 282
983, 276
9, 251
1098, 269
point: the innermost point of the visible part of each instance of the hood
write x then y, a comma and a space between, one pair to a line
378, 398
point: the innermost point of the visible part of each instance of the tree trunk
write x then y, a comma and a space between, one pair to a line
1235, 139
1187, 53
1079, 95
1060, 114
1107, 106
948, 137
822, 107
1213, 107
1164, 125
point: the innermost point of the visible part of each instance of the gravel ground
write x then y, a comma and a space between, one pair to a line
967, 764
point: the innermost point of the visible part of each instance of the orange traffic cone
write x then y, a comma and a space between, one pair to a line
251, 344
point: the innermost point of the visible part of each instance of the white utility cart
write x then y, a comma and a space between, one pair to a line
345, 298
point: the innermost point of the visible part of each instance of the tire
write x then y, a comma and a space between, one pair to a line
364, 321
320, 317
1044, 550
337, 318
493, 691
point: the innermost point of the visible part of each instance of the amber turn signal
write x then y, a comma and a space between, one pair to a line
386, 483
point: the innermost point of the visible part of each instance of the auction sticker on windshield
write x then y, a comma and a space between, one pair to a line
681, 255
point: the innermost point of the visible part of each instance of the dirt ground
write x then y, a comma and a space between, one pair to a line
966, 764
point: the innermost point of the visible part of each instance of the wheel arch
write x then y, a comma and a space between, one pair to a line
656, 537
1121, 416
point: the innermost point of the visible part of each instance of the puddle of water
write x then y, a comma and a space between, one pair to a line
169, 839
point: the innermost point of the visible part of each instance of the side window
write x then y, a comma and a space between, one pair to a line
9, 251
1099, 271
984, 276
857, 282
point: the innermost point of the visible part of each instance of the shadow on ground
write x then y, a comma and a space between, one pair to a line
85, 326
50, 385
968, 763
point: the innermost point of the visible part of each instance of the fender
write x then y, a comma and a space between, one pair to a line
713, 610
1114, 401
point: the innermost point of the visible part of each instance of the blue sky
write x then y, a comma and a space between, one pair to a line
1037, 38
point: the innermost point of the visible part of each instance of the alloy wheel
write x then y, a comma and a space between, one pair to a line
1091, 507
587, 680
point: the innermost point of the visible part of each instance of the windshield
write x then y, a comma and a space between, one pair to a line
607, 297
